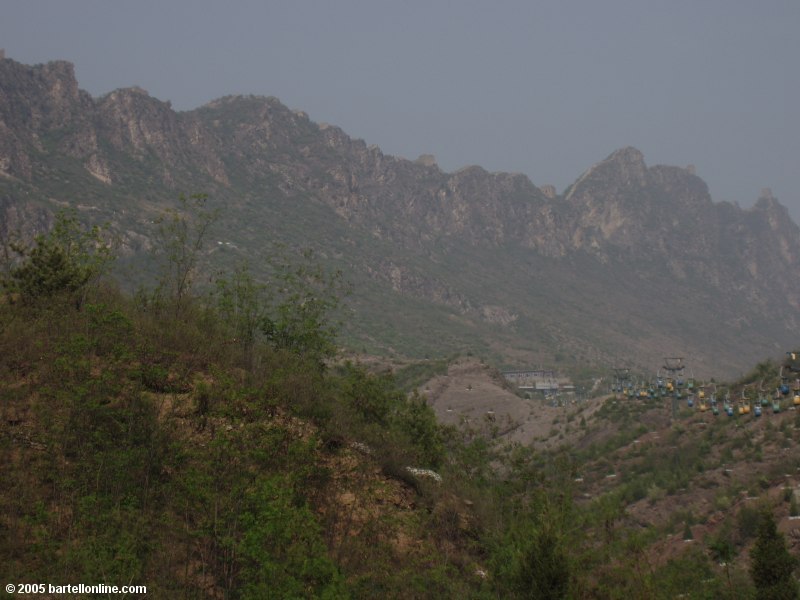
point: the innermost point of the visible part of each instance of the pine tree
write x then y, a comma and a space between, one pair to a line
63, 261
771, 564
543, 570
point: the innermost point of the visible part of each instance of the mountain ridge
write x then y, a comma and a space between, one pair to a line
630, 262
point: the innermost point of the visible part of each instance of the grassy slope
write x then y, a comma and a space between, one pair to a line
139, 448
142, 448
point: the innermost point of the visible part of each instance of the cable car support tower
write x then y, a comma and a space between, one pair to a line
674, 367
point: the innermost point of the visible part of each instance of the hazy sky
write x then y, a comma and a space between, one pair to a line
546, 88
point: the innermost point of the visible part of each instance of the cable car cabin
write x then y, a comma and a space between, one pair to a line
703, 407
679, 383
776, 407
660, 383
690, 402
729, 411
701, 394
796, 400
670, 386
715, 410
764, 401
741, 410
690, 384
757, 411
678, 394
747, 409
784, 389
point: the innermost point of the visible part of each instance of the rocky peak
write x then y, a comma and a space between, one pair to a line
629, 158
40, 97
42, 108
768, 209
770, 204
60, 74
623, 169
427, 160
620, 221
133, 120
682, 184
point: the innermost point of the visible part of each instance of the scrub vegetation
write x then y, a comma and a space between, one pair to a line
211, 443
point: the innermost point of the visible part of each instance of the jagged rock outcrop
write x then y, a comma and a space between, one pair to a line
630, 261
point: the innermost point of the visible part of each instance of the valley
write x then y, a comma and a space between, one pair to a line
244, 355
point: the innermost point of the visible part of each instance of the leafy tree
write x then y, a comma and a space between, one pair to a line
64, 261
292, 311
535, 556
766, 369
282, 550
305, 296
681, 577
771, 564
418, 421
723, 550
543, 567
372, 397
182, 234
243, 305
748, 521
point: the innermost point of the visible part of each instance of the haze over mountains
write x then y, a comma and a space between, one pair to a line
629, 264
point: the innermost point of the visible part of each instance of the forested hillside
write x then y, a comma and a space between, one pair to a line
215, 445
629, 263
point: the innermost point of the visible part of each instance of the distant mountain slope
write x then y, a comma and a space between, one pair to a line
630, 263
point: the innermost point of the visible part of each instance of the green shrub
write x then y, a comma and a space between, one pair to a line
63, 262
747, 522
772, 565
281, 550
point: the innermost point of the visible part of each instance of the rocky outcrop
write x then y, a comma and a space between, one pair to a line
625, 244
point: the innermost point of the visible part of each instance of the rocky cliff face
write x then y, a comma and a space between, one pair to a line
629, 261
666, 216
